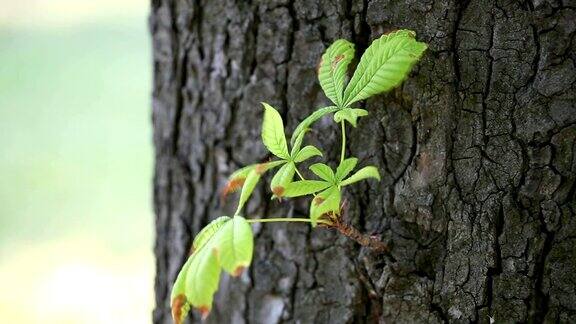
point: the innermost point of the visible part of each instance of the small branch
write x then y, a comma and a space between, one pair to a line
361, 238
275, 220
303, 179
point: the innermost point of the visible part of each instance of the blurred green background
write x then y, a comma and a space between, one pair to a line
75, 162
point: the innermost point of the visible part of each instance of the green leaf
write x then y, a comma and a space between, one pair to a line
234, 245
332, 69
306, 153
384, 65
248, 188
202, 277
364, 173
273, 132
252, 179
350, 115
198, 279
297, 143
282, 178
323, 171
242, 172
305, 187
311, 119
325, 203
345, 168
178, 301
264, 167
207, 232
229, 247
236, 179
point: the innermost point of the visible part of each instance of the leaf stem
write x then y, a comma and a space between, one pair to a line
284, 219
299, 174
342, 155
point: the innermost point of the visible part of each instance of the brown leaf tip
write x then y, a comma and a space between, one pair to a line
178, 304
238, 271
232, 186
278, 191
337, 59
204, 311
260, 168
318, 200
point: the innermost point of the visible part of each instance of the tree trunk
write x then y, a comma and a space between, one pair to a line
477, 152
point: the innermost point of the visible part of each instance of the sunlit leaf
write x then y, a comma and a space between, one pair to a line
202, 277
234, 245
350, 115
323, 171
306, 153
305, 187
311, 119
207, 232
364, 173
332, 69
384, 65
273, 132
229, 248
345, 168
282, 178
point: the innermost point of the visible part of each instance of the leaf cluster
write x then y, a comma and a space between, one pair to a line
227, 242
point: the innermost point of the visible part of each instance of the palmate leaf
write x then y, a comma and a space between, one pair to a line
384, 65
305, 187
273, 132
332, 69
274, 139
230, 248
364, 173
311, 119
350, 115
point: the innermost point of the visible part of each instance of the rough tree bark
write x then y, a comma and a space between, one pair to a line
477, 151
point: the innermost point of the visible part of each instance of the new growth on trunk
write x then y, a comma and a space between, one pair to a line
227, 242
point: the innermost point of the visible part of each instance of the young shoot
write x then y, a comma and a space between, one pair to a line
227, 243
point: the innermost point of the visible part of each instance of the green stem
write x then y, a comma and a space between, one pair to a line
302, 178
274, 220
299, 174
342, 155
